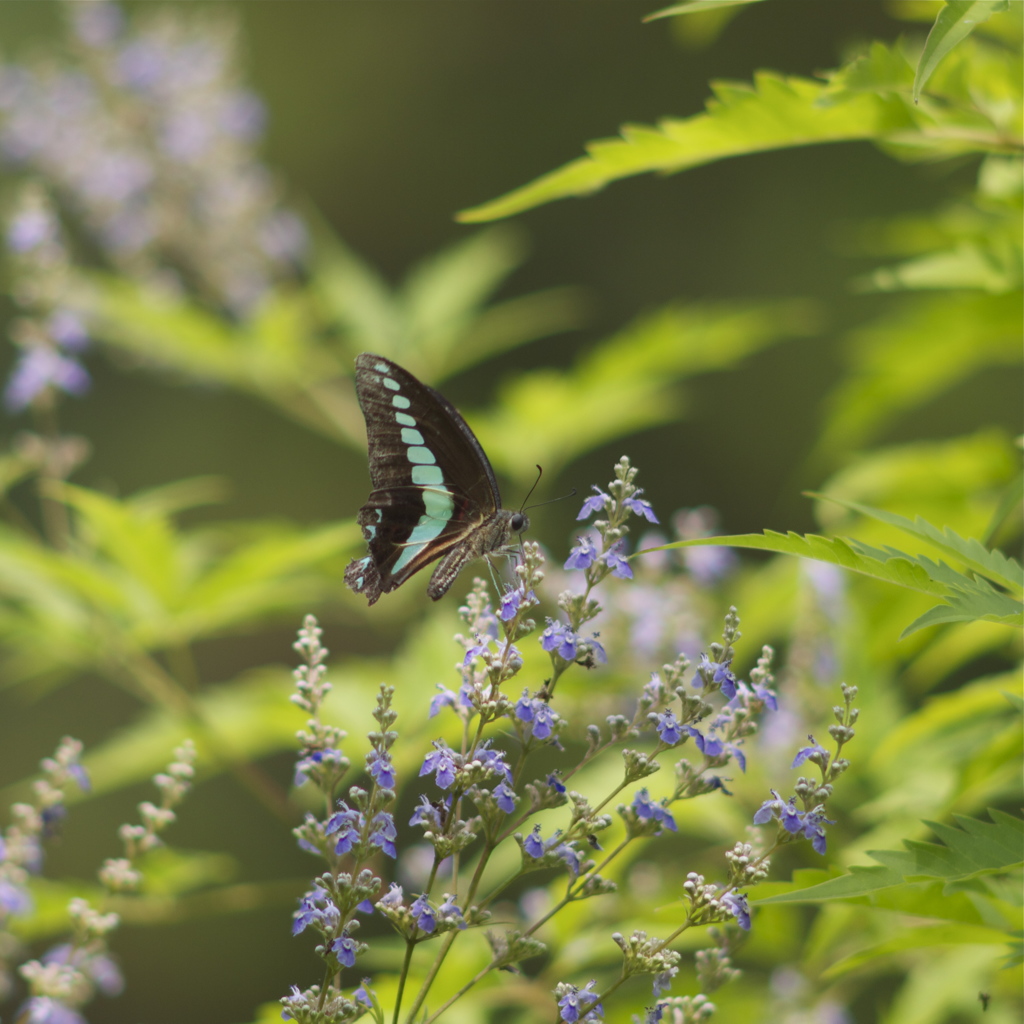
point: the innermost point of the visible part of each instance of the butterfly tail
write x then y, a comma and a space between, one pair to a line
362, 577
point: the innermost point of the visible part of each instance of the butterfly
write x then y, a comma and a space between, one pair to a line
434, 493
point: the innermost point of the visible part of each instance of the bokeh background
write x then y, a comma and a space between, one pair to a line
384, 120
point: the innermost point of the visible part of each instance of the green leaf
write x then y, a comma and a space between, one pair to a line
978, 848
972, 553
775, 113
697, 7
954, 23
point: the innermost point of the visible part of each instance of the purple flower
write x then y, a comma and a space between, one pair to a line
669, 728
580, 1001
384, 833
38, 369
538, 714
533, 844
393, 898
450, 911
314, 908
816, 753
493, 760
560, 639
345, 948
647, 810
663, 981
505, 797
594, 504
556, 783
640, 507
440, 763
583, 555
814, 829
618, 565
736, 904
381, 769
510, 602
426, 919
445, 699
46, 1010
571, 857
430, 814
720, 676
349, 824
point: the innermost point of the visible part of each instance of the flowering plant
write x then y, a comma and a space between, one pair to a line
488, 792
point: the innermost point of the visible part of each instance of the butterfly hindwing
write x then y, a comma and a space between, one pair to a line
434, 493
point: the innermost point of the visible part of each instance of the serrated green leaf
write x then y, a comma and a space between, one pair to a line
898, 568
776, 112
954, 23
996, 847
971, 552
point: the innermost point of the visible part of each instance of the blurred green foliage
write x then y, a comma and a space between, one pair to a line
129, 592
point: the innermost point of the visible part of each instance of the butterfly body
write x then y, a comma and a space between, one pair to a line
434, 494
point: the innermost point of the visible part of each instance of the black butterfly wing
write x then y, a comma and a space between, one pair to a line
432, 483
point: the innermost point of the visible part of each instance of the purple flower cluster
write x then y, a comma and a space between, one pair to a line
811, 824
351, 826
150, 141
564, 641
580, 1004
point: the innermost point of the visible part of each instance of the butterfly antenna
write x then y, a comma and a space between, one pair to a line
540, 473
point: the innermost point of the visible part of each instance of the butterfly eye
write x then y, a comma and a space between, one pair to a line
518, 522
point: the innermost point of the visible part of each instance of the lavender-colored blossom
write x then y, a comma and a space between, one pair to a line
381, 769
393, 898
344, 948
736, 904
640, 507
555, 782
67, 330
533, 844
596, 649
493, 760
314, 760
426, 919
570, 856
578, 1004
720, 673
384, 833
583, 555
669, 728
560, 639
348, 823
618, 565
510, 602
814, 751
449, 910
47, 1010
445, 699
40, 368
505, 797
596, 503
663, 981
538, 714
441, 764
430, 814
647, 810
362, 994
